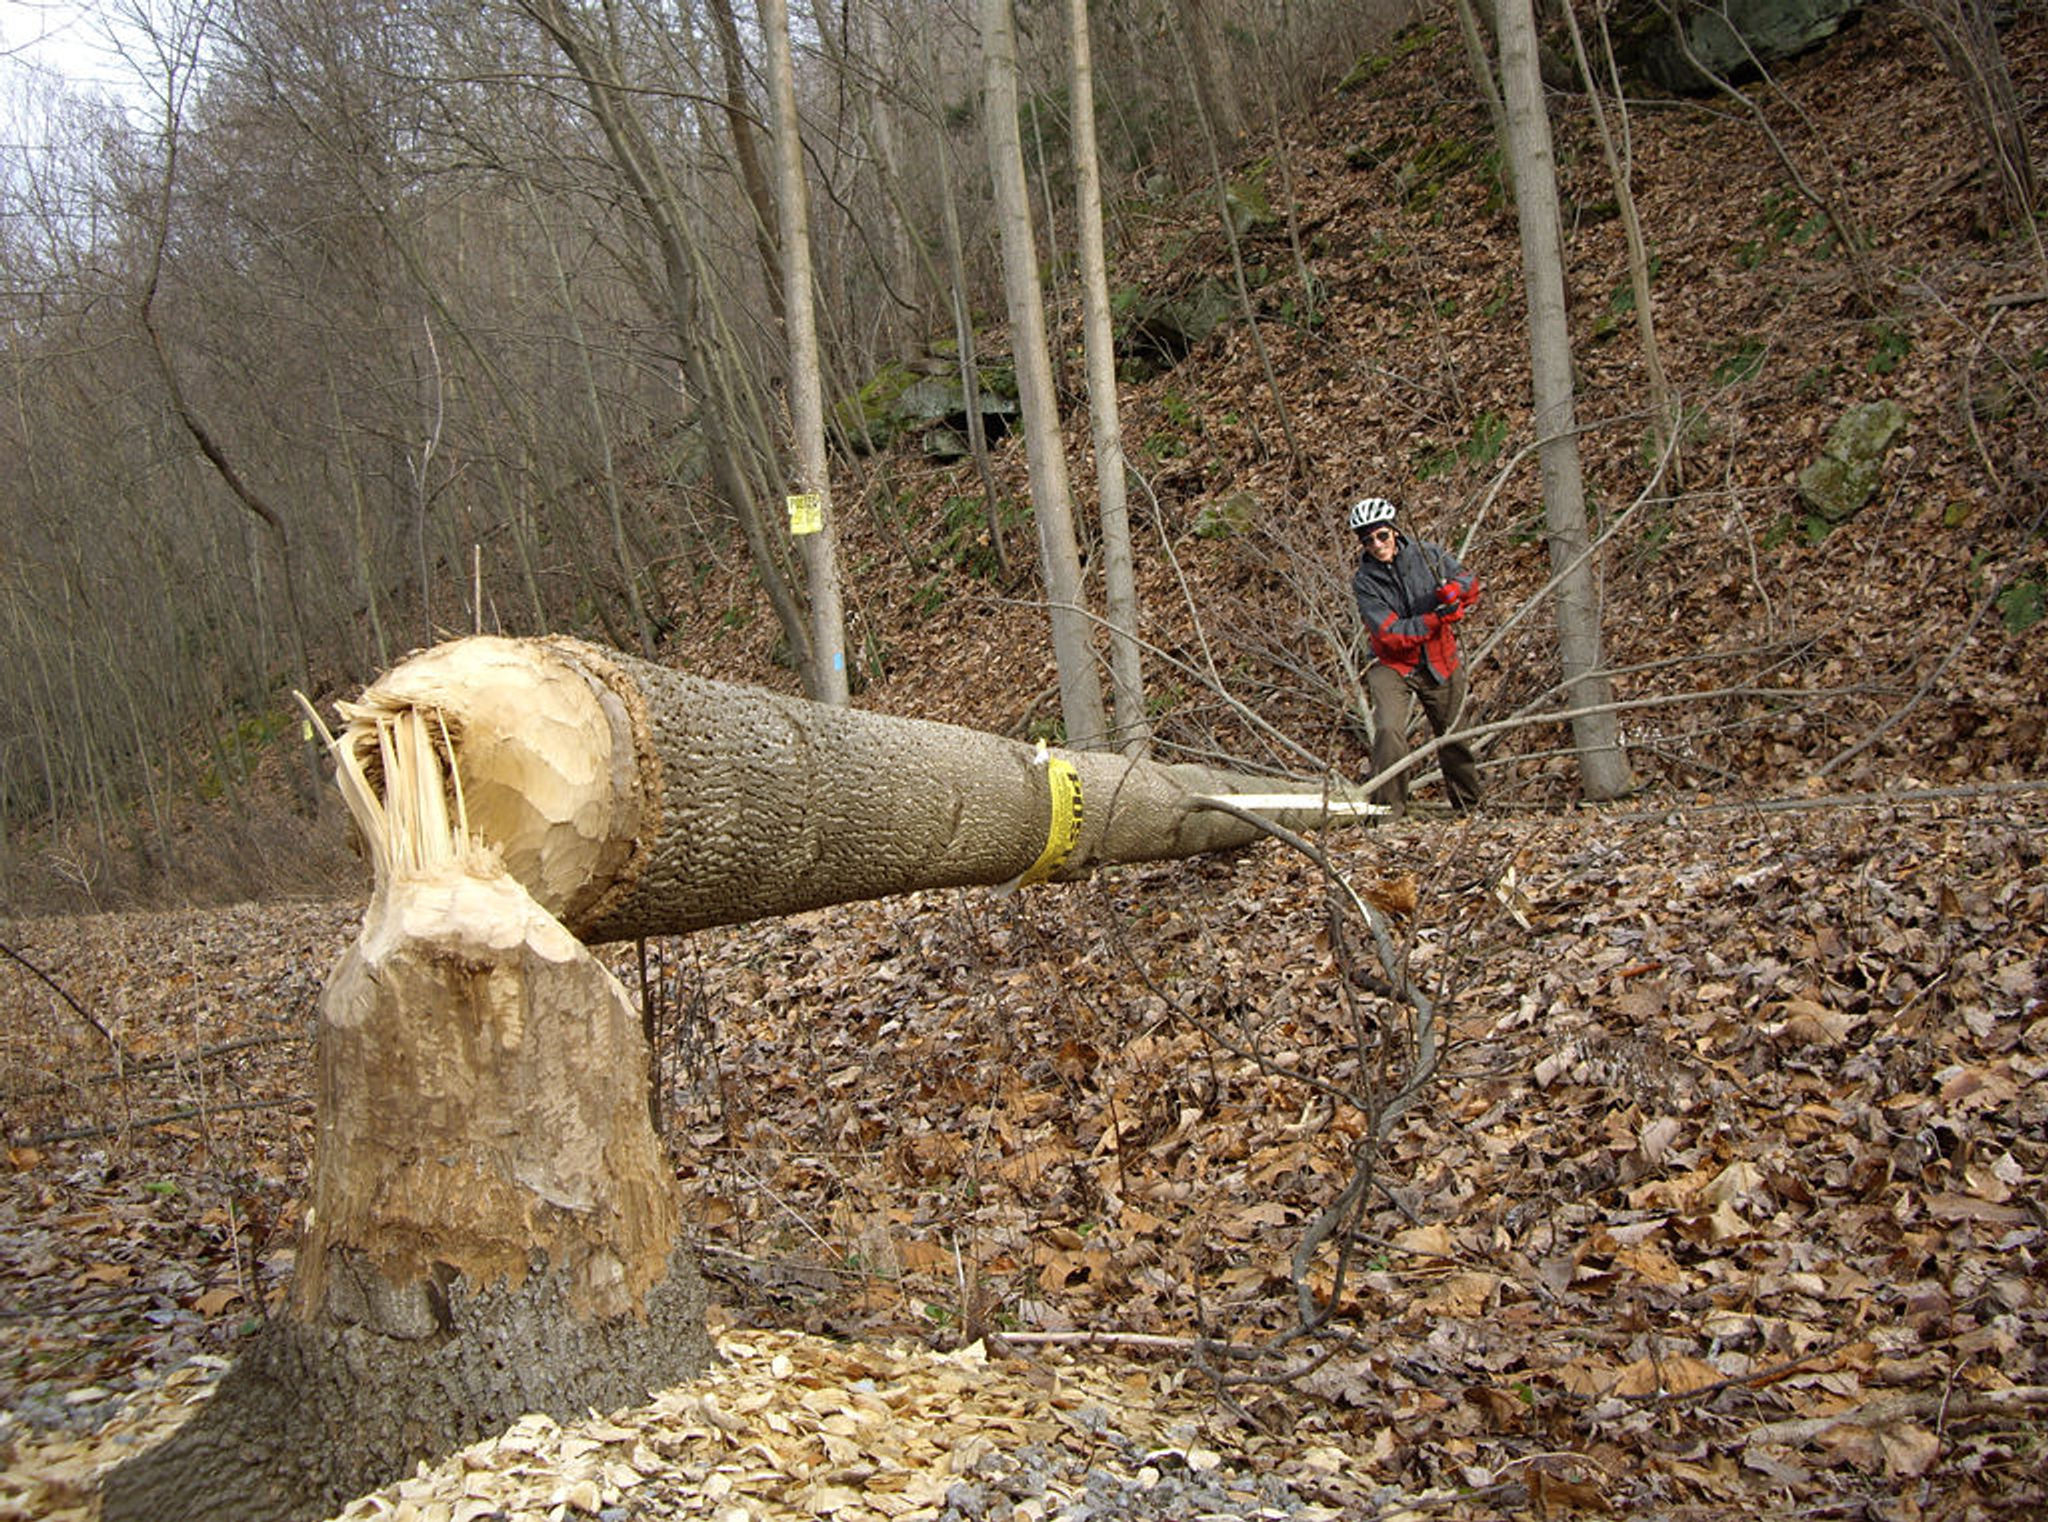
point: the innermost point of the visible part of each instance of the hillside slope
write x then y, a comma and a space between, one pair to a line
1392, 327
1726, 1198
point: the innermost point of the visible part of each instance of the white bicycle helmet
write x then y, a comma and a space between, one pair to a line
1367, 511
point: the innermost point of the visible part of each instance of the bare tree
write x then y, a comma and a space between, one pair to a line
1052, 503
1479, 59
1596, 732
1211, 68
721, 384
811, 514
1617, 146
1126, 669
178, 57
740, 123
1965, 33
959, 301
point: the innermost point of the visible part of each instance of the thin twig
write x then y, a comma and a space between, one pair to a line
189, 1112
1343, 1211
161, 1064
65, 994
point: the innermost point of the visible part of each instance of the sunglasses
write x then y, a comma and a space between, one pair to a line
1380, 533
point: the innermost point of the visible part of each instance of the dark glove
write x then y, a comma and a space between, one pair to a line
1450, 613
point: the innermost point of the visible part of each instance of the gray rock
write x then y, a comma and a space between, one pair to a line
1839, 484
1731, 38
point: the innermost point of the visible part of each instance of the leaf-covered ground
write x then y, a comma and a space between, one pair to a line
1725, 1198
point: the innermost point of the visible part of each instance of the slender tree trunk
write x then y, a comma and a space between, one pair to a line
367, 572
1214, 74
614, 505
811, 513
1616, 148
306, 777
1052, 501
1227, 218
420, 470
721, 409
739, 121
1126, 670
1966, 35
1603, 767
1479, 59
963, 329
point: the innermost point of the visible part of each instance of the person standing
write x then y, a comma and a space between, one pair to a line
1411, 595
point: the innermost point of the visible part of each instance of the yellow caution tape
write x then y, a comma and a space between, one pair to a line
1064, 783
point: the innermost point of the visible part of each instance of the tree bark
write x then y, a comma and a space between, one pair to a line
812, 523
963, 324
1051, 498
1596, 735
740, 122
1120, 601
631, 799
1479, 59
1215, 75
1617, 146
492, 1227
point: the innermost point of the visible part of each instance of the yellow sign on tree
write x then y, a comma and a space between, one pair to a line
807, 514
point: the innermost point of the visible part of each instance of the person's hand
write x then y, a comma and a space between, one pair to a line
1451, 592
1450, 613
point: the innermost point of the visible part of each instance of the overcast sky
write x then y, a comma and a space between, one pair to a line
66, 38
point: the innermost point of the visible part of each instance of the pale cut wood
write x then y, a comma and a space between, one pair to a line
482, 1101
548, 774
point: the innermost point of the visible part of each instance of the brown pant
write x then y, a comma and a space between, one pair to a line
1441, 704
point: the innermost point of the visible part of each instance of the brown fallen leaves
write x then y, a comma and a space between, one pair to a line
1727, 1199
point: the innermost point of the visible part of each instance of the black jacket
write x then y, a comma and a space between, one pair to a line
1399, 603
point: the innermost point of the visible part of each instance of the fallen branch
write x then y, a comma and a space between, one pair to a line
165, 1064
1838, 800
65, 994
189, 1112
1151, 1340
1896, 1408
1383, 1109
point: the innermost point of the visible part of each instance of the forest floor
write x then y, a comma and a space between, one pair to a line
1725, 1199
1724, 1195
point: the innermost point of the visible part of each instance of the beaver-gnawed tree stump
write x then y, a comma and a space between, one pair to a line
493, 1228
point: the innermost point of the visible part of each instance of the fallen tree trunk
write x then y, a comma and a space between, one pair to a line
636, 800
493, 1227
